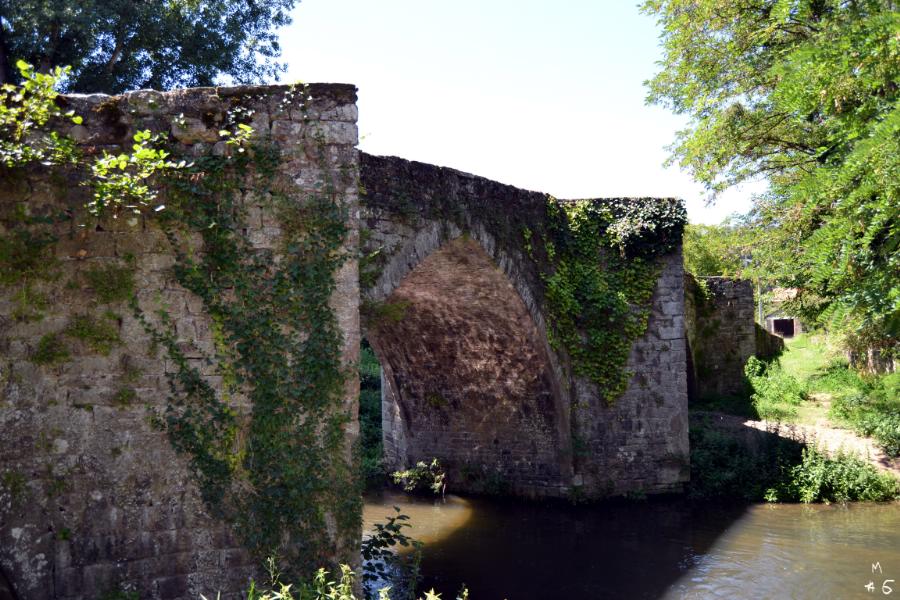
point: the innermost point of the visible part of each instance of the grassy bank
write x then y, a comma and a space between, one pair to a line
756, 466
810, 384
870, 406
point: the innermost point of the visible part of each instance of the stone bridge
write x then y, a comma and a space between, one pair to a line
438, 277
469, 375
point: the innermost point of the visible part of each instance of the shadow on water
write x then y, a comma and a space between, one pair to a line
534, 551
662, 547
547, 551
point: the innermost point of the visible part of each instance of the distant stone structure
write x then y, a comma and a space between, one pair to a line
783, 325
722, 334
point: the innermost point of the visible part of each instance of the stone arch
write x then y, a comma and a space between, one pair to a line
409, 210
468, 374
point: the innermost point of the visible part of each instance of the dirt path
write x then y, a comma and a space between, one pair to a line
825, 436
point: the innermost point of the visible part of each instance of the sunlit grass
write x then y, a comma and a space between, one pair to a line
805, 356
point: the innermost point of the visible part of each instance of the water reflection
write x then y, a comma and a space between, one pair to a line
653, 549
431, 520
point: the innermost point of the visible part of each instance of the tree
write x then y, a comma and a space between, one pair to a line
716, 250
804, 93
116, 45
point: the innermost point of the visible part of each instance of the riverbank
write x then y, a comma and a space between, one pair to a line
797, 435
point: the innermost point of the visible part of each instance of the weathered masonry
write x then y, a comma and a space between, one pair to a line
454, 309
722, 335
173, 383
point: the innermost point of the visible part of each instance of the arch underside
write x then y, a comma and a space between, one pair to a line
467, 378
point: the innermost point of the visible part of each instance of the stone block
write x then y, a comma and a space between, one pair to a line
189, 130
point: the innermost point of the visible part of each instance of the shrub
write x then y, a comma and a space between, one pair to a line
776, 394
382, 564
321, 588
422, 477
843, 478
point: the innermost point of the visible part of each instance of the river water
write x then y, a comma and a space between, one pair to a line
658, 548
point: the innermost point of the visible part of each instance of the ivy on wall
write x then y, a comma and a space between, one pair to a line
599, 275
278, 470
276, 467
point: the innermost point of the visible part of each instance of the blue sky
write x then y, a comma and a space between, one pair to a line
546, 96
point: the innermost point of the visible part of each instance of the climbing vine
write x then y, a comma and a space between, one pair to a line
599, 275
277, 471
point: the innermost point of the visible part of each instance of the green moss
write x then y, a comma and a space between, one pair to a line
370, 267
377, 314
118, 593
131, 374
57, 484
98, 335
111, 283
51, 350
15, 484
25, 255
435, 400
124, 397
30, 304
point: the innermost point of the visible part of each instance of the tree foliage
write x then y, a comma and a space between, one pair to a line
805, 93
717, 249
116, 45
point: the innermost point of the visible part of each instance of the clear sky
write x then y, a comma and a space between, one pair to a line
542, 95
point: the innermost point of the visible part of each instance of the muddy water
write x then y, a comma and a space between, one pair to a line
652, 549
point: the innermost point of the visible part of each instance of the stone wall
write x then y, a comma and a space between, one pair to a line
722, 334
639, 444
92, 497
455, 314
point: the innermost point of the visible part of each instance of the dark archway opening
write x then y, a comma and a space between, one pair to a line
466, 377
783, 327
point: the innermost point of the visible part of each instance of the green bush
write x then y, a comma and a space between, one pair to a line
424, 477
869, 405
842, 478
381, 562
776, 394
